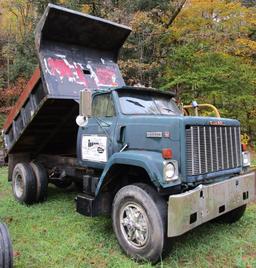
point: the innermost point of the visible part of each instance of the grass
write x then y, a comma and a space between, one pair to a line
52, 234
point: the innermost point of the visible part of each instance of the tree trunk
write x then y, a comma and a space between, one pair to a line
176, 13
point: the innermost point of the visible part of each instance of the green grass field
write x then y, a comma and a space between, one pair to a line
52, 234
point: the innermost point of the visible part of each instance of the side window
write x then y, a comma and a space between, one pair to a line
103, 106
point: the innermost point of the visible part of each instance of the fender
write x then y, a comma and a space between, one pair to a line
152, 162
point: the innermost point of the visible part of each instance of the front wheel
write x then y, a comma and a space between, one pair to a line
139, 221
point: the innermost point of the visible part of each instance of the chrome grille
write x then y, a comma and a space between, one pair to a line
212, 148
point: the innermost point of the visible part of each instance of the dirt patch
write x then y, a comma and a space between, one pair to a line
3, 195
98, 262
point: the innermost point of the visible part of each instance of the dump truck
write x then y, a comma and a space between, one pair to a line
131, 151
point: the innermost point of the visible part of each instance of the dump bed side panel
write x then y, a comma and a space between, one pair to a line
22, 99
52, 130
23, 112
43, 126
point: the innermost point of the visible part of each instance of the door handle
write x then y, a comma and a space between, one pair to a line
121, 134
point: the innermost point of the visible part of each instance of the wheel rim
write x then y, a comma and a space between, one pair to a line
134, 225
18, 185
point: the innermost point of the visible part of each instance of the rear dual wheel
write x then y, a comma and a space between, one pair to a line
41, 181
29, 183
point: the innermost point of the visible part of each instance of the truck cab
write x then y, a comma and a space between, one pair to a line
130, 151
192, 167
146, 121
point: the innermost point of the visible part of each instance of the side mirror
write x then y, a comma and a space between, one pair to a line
85, 108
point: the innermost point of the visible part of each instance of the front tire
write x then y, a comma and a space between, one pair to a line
24, 183
139, 221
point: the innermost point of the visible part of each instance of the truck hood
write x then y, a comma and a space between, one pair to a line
153, 133
157, 132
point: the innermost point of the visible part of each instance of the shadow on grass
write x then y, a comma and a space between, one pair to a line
102, 223
55, 193
202, 231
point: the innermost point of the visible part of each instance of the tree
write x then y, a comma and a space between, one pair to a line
212, 58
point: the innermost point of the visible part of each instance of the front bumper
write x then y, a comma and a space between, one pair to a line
206, 202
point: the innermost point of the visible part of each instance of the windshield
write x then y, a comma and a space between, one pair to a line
149, 103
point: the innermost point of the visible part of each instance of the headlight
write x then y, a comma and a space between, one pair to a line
246, 159
171, 171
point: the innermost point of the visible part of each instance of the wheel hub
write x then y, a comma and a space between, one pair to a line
18, 186
134, 224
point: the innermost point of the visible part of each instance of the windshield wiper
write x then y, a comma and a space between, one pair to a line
168, 109
136, 103
106, 124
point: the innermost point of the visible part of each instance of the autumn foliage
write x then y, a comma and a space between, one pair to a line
9, 95
207, 52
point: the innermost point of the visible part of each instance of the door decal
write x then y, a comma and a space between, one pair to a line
94, 148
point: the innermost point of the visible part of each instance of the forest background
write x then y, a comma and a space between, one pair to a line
204, 50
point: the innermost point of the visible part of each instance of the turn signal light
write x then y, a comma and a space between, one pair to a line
167, 153
244, 147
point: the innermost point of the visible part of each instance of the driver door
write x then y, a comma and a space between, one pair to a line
98, 136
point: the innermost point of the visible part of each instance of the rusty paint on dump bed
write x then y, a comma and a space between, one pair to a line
84, 56
22, 99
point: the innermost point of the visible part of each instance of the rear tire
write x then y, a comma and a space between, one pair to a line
139, 221
24, 183
232, 216
6, 252
41, 181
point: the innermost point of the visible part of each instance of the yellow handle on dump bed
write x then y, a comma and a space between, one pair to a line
200, 106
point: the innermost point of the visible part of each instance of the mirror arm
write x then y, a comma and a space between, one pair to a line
85, 108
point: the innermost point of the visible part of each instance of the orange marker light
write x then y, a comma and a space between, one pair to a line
167, 153
244, 147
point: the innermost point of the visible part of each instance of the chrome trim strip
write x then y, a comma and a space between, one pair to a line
192, 151
205, 151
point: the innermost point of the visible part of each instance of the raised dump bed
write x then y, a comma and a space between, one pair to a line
75, 52
41, 121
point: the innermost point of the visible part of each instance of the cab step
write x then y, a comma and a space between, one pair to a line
92, 206
85, 205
